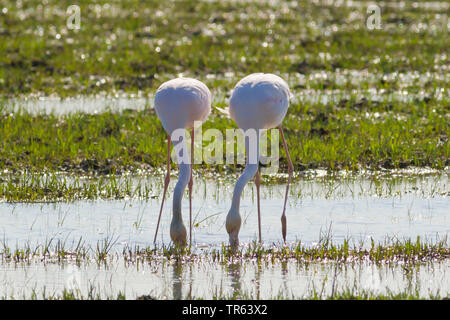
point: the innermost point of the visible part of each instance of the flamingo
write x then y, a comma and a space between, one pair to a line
259, 101
179, 103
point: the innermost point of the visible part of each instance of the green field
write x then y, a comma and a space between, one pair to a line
367, 130
387, 89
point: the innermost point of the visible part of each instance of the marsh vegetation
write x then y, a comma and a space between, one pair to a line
82, 150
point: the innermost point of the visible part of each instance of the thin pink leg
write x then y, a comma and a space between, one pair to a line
190, 184
258, 184
166, 184
290, 172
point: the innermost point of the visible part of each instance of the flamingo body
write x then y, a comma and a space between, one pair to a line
259, 101
179, 103
182, 101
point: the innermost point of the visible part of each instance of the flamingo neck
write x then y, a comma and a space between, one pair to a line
249, 172
247, 175
183, 179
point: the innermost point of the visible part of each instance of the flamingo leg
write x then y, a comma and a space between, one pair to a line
290, 172
166, 184
190, 184
258, 184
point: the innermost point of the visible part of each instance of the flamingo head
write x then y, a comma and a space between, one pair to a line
233, 225
178, 233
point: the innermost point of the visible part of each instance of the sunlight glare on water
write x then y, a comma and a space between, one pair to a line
356, 209
359, 209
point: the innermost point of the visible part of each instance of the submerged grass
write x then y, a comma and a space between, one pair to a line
324, 264
30, 187
94, 293
36, 187
407, 252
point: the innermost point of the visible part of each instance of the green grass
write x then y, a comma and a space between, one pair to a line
134, 45
409, 252
94, 293
363, 100
318, 136
131, 47
405, 251
345, 294
50, 186
409, 258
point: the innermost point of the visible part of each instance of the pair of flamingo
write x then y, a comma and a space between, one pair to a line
259, 101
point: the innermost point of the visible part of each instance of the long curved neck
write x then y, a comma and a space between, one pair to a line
251, 167
183, 177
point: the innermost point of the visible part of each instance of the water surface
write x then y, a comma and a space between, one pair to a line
354, 208
357, 209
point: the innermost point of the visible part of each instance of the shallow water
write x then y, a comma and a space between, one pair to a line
358, 209
250, 280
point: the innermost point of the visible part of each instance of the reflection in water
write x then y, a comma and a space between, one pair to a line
234, 272
362, 210
177, 280
258, 272
357, 208
237, 278
191, 266
284, 275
